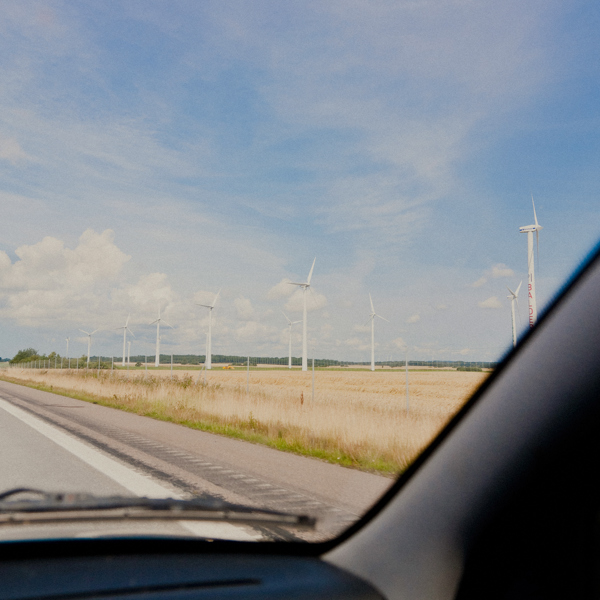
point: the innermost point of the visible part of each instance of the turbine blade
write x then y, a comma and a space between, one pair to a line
534, 215
215, 300
371, 299
131, 332
383, 318
517, 292
286, 318
511, 292
95, 330
171, 326
127, 322
294, 283
311, 271
82, 331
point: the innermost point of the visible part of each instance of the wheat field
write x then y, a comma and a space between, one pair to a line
356, 418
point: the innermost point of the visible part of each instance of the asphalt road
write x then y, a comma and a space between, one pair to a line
59, 443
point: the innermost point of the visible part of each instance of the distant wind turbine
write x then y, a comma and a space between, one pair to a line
89, 343
67, 340
125, 329
529, 229
304, 287
372, 319
208, 359
290, 323
158, 322
514, 300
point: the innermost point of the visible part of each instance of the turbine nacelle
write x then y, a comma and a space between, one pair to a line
528, 228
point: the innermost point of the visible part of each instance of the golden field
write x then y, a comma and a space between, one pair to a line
356, 419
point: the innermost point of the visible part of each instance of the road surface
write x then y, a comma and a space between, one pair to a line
59, 443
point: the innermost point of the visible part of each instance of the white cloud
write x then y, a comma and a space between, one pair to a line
362, 328
244, 309
491, 302
464, 351
414, 318
255, 331
314, 301
399, 343
501, 270
479, 282
11, 151
282, 290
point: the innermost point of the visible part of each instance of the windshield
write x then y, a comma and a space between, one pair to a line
259, 254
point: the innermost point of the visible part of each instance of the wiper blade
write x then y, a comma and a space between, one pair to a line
60, 507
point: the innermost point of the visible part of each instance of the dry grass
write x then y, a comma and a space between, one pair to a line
356, 419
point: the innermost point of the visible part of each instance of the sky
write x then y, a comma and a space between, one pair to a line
154, 153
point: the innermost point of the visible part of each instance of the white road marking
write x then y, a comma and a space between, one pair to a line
131, 480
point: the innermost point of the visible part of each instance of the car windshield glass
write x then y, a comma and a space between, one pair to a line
259, 254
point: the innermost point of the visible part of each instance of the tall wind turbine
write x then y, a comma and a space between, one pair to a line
89, 343
208, 359
372, 319
529, 229
125, 329
290, 323
158, 322
68, 340
514, 300
304, 287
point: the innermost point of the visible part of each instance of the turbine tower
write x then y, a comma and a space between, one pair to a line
125, 329
89, 344
514, 299
290, 323
208, 359
158, 321
372, 319
529, 229
68, 340
304, 287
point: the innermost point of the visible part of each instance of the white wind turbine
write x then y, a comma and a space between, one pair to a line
208, 359
68, 340
304, 287
89, 343
125, 329
529, 229
290, 323
514, 300
158, 322
372, 319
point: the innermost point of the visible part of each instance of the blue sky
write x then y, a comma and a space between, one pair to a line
152, 153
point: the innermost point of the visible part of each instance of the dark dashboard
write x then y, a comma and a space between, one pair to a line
159, 568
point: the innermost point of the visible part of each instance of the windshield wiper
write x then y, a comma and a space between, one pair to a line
51, 507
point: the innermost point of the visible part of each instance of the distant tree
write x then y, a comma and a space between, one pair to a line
21, 355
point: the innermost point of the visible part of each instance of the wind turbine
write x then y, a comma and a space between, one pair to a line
89, 344
529, 229
68, 359
158, 321
208, 360
125, 329
513, 299
304, 287
290, 323
372, 319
